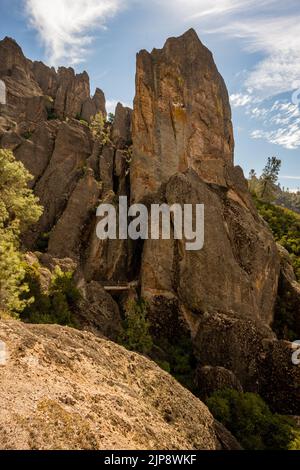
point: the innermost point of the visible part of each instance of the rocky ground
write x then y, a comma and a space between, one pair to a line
66, 389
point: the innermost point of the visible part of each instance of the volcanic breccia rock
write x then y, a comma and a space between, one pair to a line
66, 389
175, 146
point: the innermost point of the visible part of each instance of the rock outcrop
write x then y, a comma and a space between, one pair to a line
66, 389
35, 91
181, 118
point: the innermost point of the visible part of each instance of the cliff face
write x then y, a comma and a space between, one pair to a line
182, 117
183, 153
222, 296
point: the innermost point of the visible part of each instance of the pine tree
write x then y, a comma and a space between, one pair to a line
19, 209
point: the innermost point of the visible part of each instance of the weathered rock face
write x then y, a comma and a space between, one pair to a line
93, 106
183, 153
121, 133
73, 91
280, 378
237, 269
211, 379
72, 149
71, 390
66, 235
181, 118
34, 90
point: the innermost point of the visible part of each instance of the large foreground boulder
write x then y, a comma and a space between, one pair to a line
65, 389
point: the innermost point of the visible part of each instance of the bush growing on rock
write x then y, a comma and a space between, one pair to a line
285, 226
100, 129
251, 421
136, 334
55, 306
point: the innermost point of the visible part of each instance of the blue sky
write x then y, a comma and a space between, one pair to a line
256, 46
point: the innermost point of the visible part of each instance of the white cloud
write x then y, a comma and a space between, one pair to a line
278, 39
206, 9
291, 177
65, 25
280, 123
287, 137
239, 100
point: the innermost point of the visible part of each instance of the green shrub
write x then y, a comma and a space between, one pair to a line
285, 226
27, 135
19, 209
51, 114
43, 242
251, 421
101, 129
111, 118
136, 332
179, 359
55, 306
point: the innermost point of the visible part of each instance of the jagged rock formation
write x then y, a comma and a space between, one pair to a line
182, 116
176, 146
65, 389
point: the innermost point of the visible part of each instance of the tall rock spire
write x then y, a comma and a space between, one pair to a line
182, 116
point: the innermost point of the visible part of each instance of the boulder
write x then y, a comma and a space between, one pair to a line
71, 390
237, 269
210, 379
280, 378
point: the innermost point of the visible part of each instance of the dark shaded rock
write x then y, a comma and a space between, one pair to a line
73, 91
46, 77
210, 379
237, 269
236, 345
106, 168
36, 151
93, 106
66, 237
287, 311
121, 133
280, 378
226, 439
71, 151
99, 313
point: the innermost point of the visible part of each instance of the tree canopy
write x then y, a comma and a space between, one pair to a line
19, 209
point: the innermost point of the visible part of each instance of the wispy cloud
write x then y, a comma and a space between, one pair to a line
65, 25
280, 124
272, 31
240, 100
277, 38
291, 177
